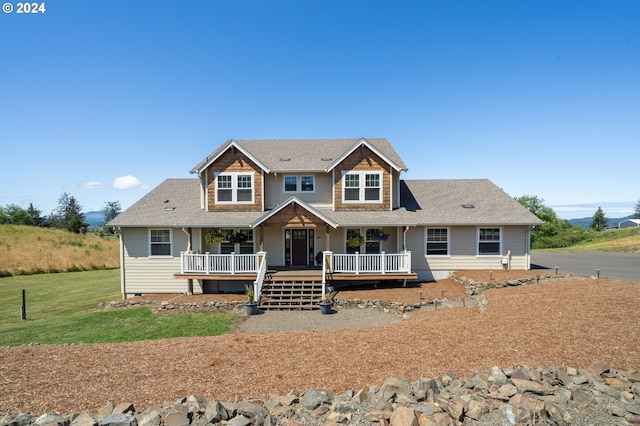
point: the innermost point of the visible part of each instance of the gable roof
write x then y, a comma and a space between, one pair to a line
286, 203
303, 155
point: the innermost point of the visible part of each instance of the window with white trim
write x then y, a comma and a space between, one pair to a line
234, 187
299, 183
362, 187
371, 241
159, 242
437, 241
489, 241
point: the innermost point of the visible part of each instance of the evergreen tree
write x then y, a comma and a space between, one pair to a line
36, 215
111, 209
636, 213
68, 215
599, 220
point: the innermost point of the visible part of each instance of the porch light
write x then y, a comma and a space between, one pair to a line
537, 278
556, 268
598, 273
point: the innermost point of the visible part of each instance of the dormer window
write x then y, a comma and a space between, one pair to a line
362, 187
299, 183
234, 188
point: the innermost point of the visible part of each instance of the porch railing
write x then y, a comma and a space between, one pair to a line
206, 263
262, 271
358, 263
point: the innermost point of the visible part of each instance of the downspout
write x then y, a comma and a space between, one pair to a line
188, 239
404, 238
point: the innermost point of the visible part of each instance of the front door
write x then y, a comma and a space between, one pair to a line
299, 247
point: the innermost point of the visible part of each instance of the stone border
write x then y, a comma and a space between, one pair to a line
477, 287
503, 396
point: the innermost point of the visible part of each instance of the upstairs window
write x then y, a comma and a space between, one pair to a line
159, 242
234, 188
362, 187
437, 242
489, 240
299, 184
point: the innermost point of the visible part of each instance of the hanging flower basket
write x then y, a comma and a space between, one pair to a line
380, 235
214, 236
238, 237
355, 241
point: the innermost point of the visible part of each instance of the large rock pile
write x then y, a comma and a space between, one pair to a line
598, 395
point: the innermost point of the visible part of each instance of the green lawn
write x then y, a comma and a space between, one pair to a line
59, 310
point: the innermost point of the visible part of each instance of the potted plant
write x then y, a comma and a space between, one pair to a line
326, 304
214, 236
250, 306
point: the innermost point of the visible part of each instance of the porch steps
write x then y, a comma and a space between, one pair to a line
291, 294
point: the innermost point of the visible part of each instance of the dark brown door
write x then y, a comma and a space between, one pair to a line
298, 246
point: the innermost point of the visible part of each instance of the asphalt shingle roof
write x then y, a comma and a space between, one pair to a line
176, 202
303, 154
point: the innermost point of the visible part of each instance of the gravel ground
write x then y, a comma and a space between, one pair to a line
277, 321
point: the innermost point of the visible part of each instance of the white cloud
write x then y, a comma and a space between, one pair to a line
127, 182
92, 184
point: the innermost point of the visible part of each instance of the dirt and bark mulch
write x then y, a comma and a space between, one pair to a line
572, 322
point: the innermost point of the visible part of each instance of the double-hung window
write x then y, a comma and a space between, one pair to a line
159, 242
362, 187
236, 187
489, 241
437, 242
371, 241
299, 184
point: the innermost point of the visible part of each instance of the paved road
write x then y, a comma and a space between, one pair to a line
612, 265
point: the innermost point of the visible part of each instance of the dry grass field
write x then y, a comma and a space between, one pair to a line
28, 250
572, 322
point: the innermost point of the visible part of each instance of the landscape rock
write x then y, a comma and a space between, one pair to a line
541, 396
119, 420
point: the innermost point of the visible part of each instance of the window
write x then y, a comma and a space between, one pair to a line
306, 184
234, 188
237, 241
159, 242
437, 242
362, 187
489, 241
301, 184
372, 241
290, 183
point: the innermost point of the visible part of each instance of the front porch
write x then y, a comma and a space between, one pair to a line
252, 268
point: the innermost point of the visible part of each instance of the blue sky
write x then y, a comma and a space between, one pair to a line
106, 99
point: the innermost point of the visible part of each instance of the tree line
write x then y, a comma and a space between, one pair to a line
556, 232
67, 215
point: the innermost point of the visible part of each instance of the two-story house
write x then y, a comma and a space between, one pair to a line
334, 206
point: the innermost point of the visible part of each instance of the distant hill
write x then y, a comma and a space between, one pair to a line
585, 222
95, 219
